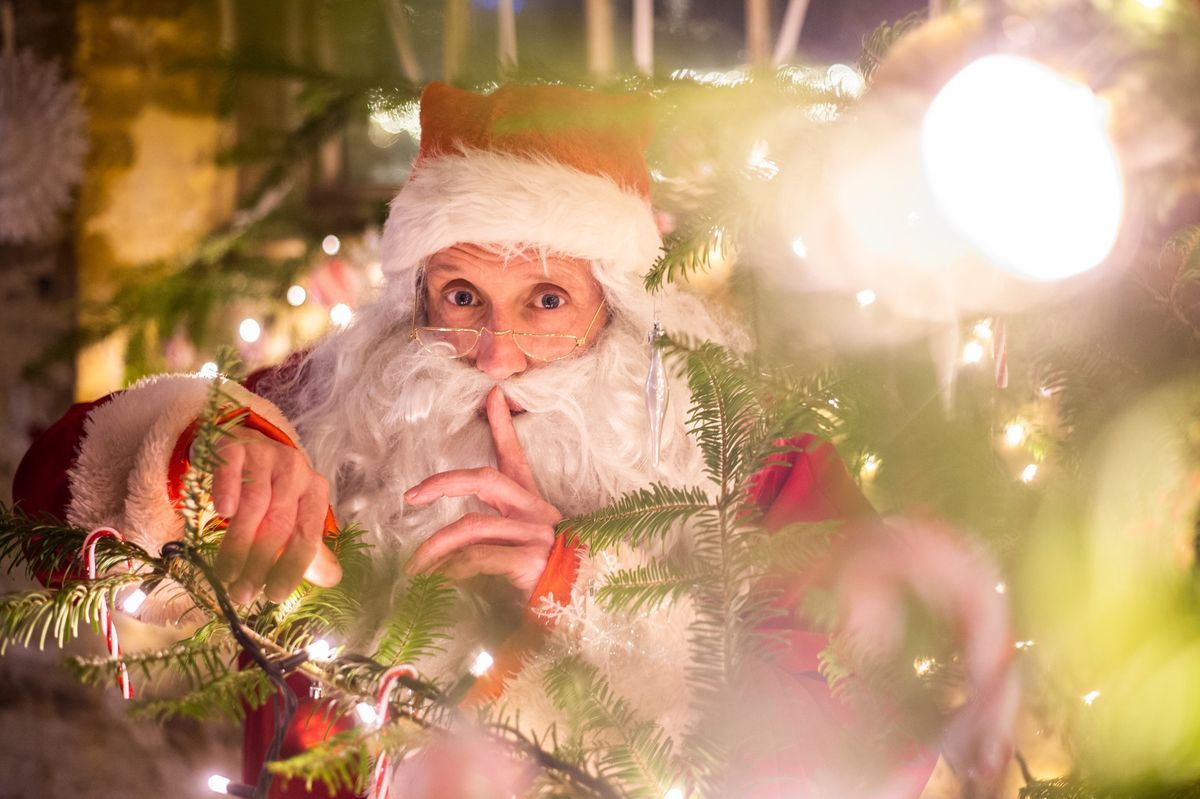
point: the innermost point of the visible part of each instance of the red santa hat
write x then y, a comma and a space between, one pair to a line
547, 167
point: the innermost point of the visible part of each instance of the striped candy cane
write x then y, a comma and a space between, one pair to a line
1000, 353
383, 770
110, 628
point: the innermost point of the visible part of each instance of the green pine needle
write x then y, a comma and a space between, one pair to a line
638, 517
646, 587
226, 697
420, 622
57, 613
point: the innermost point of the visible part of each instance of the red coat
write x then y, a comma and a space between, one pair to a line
810, 484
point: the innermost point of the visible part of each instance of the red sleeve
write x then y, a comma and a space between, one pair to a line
41, 487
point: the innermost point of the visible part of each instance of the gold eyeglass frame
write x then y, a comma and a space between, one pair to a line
417, 304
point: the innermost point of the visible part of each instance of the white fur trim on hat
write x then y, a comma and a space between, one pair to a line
481, 197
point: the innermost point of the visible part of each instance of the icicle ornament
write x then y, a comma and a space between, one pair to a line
657, 392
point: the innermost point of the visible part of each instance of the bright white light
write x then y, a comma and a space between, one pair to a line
1001, 588
674, 793
799, 247
250, 330
865, 297
1019, 160
1028, 473
296, 295
331, 244
870, 466
366, 714
758, 160
208, 369
1014, 434
218, 784
972, 352
983, 328
403, 119
319, 650
134, 601
341, 314
1090, 697
923, 666
1024, 644
483, 662
1151, 3
846, 80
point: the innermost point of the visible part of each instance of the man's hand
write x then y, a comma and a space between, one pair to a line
516, 544
275, 504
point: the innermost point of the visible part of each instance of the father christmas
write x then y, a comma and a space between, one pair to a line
494, 388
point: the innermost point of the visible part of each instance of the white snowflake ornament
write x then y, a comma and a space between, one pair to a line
42, 145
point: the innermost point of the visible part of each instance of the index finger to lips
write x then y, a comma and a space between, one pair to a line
510, 455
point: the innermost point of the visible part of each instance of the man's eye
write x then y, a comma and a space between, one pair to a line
461, 297
549, 301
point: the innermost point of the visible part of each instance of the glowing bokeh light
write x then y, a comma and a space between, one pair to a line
865, 297
799, 247
1019, 161
296, 295
366, 714
1029, 472
250, 330
134, 601
972, 352
208, 369
1014, 434
341, 314
331, 244
483, 662
218, 784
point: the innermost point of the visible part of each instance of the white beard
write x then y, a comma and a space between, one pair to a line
378, 414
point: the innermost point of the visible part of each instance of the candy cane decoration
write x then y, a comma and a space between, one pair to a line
383, 769
106, 620
1000, 353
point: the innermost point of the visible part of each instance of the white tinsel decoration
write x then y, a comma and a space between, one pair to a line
42, 145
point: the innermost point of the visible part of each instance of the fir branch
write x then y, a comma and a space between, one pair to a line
227, 696
634, 753
27, 615
420, 622
690, 251
198, 662
43, 546
792, 549
646, 587
343, 761
637, 517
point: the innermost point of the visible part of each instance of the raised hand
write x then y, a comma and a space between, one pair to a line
275, 504
515, 543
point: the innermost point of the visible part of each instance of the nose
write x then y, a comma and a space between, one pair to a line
498, 357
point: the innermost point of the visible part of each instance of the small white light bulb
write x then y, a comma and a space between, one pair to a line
973, 352
869, 467
1014, 434
865, 297
134, 601
483, 662
1029, 472
674, 793
218, 784
366, 714
1001, 588
319, 650
923, 666
983, 329
1090, 697
341, 314
208, 369
331, 244
1151, 3
296, 295
250, 330
799, 247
